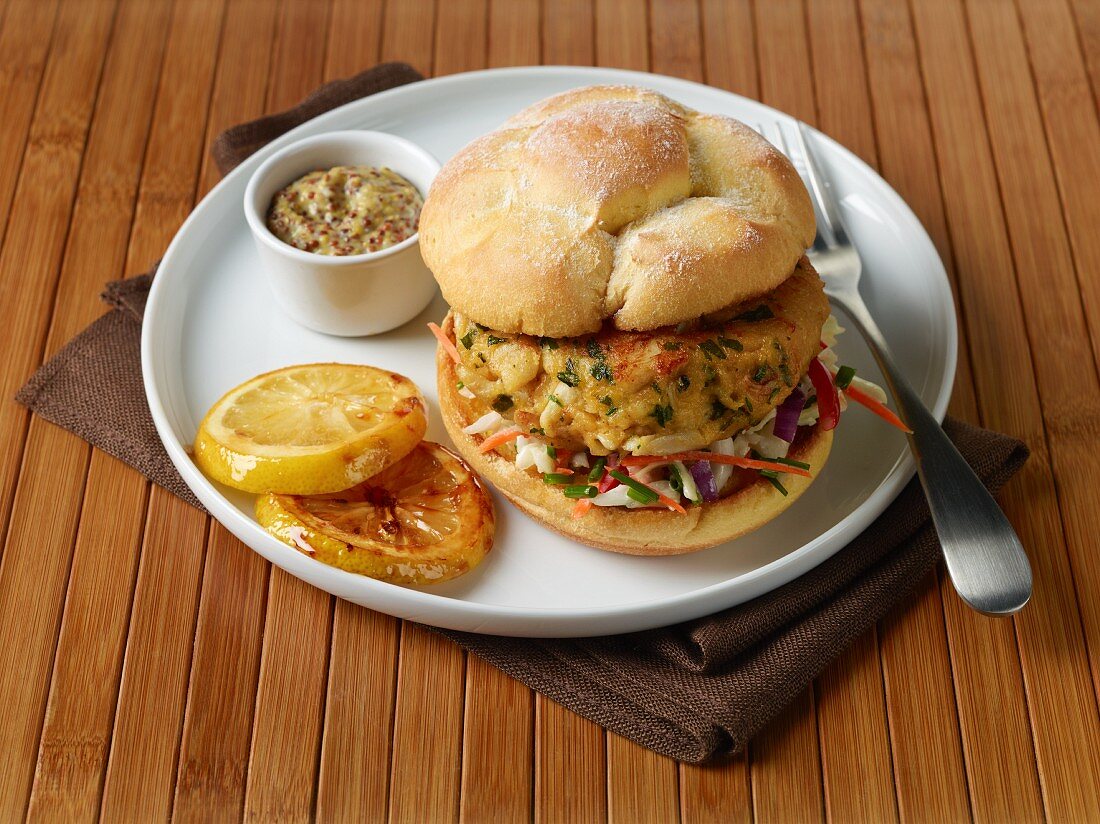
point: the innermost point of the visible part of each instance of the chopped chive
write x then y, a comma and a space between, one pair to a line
641, 493
597, 469
773, 479
580, 491
555, 399
468, 338
556, 478
502, 403
551, 451
772, 394
790, 462
493, 340
729, 343
674, 479
844, 377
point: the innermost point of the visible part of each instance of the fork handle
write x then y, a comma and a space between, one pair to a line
985, 559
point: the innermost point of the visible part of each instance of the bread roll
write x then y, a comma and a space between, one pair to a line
612, 202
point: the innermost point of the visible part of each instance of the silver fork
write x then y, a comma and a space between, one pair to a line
985, 558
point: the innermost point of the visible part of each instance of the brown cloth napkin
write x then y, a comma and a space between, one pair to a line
691, 691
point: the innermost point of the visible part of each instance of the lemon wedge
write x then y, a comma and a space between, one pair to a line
310, 429
423, 520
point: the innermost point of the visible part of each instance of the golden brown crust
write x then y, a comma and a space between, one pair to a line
612, 202
638, 531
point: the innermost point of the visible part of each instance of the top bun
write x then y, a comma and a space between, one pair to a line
612, 202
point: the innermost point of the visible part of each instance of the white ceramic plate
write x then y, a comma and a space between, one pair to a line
211, 323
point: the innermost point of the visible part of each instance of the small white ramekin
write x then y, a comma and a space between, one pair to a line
347, 295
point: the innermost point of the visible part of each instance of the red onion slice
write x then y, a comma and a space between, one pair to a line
786, 416
704, 479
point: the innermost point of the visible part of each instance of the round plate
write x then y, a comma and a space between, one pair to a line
211, 324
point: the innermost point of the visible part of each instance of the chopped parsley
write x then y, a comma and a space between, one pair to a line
569, 377
718, 410
502, 403
593, 349
761, 312
549, 343
672, 345
537, 430
730, 343
555, 399
493, 340
602, 372
762, 373
468, 338
663, 414
710, 374
683, 383
712, 349
610, 404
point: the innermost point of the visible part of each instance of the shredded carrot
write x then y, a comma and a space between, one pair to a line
582, 506
879, 409
445, 342
714, 457
502, 437
671, 504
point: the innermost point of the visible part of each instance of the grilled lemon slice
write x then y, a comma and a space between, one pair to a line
423, 520
310, 429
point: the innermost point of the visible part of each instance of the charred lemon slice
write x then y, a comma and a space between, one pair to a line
423, 520
310, 429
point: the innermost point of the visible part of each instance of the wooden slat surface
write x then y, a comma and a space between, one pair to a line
153, 667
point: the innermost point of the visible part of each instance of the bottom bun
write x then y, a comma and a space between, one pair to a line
617, 529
